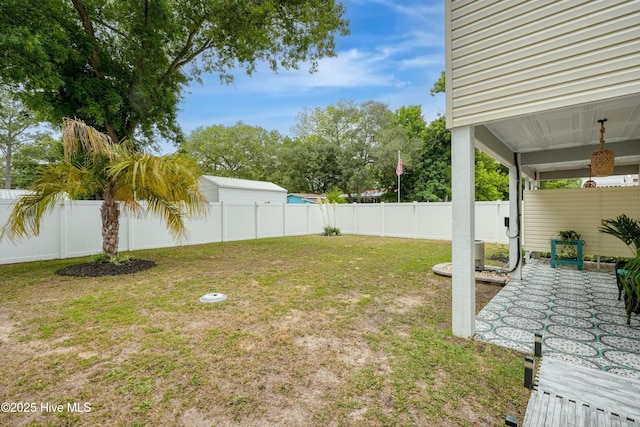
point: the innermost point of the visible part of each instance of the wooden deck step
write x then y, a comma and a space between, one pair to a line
571, 395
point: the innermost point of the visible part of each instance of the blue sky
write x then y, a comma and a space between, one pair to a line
394, 55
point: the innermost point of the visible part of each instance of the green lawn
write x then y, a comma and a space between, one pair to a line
316, 331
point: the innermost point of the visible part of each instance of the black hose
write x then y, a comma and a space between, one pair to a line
518, 213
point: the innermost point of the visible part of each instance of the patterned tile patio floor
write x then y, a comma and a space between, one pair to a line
577, 313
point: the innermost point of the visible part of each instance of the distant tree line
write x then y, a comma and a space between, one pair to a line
347, 147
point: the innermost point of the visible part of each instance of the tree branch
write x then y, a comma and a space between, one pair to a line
95, 58
88, 27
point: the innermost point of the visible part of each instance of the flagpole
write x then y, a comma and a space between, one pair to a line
398, 176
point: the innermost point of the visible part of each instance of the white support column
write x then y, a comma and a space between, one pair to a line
463, 232
515, 226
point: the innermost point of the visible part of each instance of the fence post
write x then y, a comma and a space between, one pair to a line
415, 219
382, 205
355, 218
499, 222
284, 219
256, 219
63, 229
223, 218
130, 233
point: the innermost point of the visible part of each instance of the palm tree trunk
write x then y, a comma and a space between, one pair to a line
110, 212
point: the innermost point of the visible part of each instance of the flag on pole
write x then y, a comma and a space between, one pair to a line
399, 168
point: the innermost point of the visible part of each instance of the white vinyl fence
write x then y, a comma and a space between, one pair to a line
74, 229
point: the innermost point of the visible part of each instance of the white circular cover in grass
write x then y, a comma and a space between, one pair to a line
214, 297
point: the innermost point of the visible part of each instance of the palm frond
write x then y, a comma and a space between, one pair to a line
78, 136
167, 184
54, 183
631, 285
28, 210
171, 213
624, 228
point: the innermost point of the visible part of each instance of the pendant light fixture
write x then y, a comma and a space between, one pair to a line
602, 160
591, 183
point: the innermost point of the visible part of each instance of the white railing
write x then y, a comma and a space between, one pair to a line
73, 229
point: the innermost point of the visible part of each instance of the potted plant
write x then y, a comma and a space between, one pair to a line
627, 271
568, 251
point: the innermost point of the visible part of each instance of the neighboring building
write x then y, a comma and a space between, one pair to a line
303, 199
614, 181
223, 189
368, 196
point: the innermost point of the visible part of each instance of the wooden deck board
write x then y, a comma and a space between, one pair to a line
550, 410
598, 388
570, 395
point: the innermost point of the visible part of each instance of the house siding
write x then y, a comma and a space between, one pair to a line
546, 212
509, 58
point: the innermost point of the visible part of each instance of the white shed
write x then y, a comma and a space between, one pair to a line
12, 194
223, 189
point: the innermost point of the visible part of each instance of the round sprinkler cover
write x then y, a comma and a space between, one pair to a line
214, 297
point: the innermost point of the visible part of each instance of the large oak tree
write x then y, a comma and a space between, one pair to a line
121, 66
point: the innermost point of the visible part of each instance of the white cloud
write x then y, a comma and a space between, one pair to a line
352, 68
370, 64
422, 62
395, 58
420, 9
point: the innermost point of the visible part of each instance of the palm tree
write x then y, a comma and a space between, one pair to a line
624, 228
627, 230
95, 167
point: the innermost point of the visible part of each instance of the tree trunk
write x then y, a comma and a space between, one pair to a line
7, 168
110, 212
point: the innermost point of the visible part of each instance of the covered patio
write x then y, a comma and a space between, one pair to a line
589, 373
532, 85
577, 313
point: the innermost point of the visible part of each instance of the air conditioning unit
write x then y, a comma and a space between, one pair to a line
479, 255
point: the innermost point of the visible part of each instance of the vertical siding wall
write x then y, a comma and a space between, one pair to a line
549, 211
509, 58
74, 229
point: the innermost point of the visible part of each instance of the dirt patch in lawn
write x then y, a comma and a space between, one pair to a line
354, 331
98, 269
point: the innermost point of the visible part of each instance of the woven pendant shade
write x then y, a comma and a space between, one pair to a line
602, 160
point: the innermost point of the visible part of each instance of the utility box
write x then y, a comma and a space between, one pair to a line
479, 255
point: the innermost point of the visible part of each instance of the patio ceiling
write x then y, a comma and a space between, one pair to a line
558, 144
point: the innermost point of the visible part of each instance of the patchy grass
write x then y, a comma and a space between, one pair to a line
316, 331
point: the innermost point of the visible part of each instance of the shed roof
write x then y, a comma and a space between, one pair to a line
12, 194
245, 184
